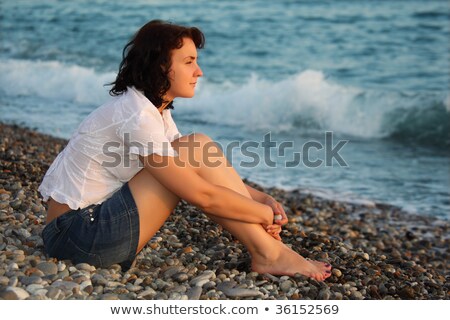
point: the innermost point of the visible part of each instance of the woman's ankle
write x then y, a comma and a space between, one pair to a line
268, 254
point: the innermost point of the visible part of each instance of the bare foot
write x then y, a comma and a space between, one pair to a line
287, 262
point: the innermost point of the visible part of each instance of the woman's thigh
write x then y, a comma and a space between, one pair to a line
154, 203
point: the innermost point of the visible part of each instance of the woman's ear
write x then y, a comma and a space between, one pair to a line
171, 74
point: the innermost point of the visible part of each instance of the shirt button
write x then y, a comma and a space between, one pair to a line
91, 210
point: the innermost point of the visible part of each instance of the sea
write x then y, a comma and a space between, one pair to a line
347, 100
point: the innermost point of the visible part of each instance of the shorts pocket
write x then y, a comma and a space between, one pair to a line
78, 255
53, 233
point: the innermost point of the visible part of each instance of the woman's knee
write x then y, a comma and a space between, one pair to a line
196, 139
198, 150
197, 143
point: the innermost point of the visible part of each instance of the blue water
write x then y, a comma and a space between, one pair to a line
375, 73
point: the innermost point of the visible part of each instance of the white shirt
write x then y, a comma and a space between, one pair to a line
103, 153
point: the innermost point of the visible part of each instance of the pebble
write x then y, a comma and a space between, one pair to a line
232, 292
194, 293
48, 268
286, 285
336, 272
202, 279
14, 293
324, 294
4, 281
30, 280
180, 277
65, 285
356, 295
54, 293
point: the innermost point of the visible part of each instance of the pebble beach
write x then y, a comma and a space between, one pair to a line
377, 251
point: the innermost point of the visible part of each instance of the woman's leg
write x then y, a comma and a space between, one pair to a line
154, 203
198, 151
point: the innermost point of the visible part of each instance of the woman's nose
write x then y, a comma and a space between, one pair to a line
199, 72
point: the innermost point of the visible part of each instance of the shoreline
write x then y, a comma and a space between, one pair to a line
377, 251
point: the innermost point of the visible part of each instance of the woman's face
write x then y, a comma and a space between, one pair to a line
184, 72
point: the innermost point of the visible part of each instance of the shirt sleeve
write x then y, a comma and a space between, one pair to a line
143, 134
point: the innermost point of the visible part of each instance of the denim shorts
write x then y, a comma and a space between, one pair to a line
100, 234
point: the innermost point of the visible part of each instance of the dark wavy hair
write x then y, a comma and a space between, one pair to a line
146, 59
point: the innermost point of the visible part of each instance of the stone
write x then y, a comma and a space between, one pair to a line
30, 280
48, 268
65, 285
98, 279
109, 296
85, 266
33, 288
203, 278
337, 272
12, 266
13, 281
229, 291
4, 204
146, 294
161, 296
324, 294
407, 293
356, 295
4, 281
133, 288
194, 293
14, 293
286, 285
180, 277
85, 284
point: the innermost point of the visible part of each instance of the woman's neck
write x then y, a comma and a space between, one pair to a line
163, 106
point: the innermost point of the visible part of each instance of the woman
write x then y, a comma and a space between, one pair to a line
127, 166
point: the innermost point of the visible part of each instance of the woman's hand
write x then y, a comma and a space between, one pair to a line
278, 210
273, 230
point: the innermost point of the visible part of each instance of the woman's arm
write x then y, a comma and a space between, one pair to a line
266, 199
213, 199
257, 195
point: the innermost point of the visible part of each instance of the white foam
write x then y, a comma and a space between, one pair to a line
303, 103
54, 80
290, 104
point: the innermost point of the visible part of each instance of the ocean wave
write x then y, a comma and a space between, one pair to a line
309, 103
53, 80
305, 103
